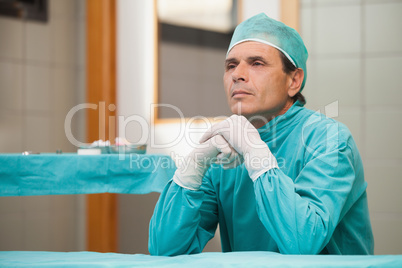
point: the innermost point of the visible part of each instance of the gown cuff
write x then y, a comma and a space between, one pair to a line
256, 166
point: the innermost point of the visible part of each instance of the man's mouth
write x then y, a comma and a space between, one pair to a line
240, 93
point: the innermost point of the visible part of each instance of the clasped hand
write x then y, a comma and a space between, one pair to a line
228, 143
190, 172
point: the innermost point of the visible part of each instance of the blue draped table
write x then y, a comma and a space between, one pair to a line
52, 174
60, 174
211, 259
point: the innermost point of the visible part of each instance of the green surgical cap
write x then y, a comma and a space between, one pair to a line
263, 29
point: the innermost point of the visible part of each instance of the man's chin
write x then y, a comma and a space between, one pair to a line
240, 109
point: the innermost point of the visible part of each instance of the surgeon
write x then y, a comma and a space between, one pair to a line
275, 176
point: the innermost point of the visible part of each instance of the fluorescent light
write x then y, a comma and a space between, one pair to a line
212, 15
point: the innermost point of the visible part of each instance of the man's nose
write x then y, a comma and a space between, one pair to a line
240, 73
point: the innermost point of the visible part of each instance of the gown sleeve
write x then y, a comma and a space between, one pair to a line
302, 214
184, 220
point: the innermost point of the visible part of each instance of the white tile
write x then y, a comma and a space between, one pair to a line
11, 86
37, 38
11, 231
11, 32
384, 188
306, 29
383, 134
337, 29
80, 216
62, 8
81, 48
310, 104
80, 85
379, 1
37, 88
62, 203
306, 2
310, 88
11, 134
63, 38
131, 214
75, 95
383, 25
338, 80
387, 236
352, 118
36, 229
63, 222
59, 136
80, 10
62, 231
37, 133
10, 204
78, 126
381, 86
40, 203
337, 2
63, 87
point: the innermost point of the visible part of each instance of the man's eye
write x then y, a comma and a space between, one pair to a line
257, 63
230, 66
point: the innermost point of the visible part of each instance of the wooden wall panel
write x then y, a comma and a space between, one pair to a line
101, 90
290, 13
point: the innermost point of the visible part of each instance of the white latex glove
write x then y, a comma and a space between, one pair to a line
246, 140
190, 172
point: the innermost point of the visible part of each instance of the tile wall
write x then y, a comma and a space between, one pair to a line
42, 76
355, 58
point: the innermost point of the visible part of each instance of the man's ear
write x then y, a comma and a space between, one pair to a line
297, 78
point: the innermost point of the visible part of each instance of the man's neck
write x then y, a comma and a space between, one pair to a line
262, 119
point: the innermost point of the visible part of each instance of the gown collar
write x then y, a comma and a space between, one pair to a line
280, 122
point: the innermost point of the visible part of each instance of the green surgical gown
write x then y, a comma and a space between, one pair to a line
314, 203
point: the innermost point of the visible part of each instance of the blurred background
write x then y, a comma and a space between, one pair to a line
355, 49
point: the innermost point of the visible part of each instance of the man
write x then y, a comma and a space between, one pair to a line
275, 176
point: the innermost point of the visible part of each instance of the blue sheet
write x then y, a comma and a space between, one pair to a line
234, 259
56, 174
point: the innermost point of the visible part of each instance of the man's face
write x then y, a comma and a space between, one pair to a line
254, 81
